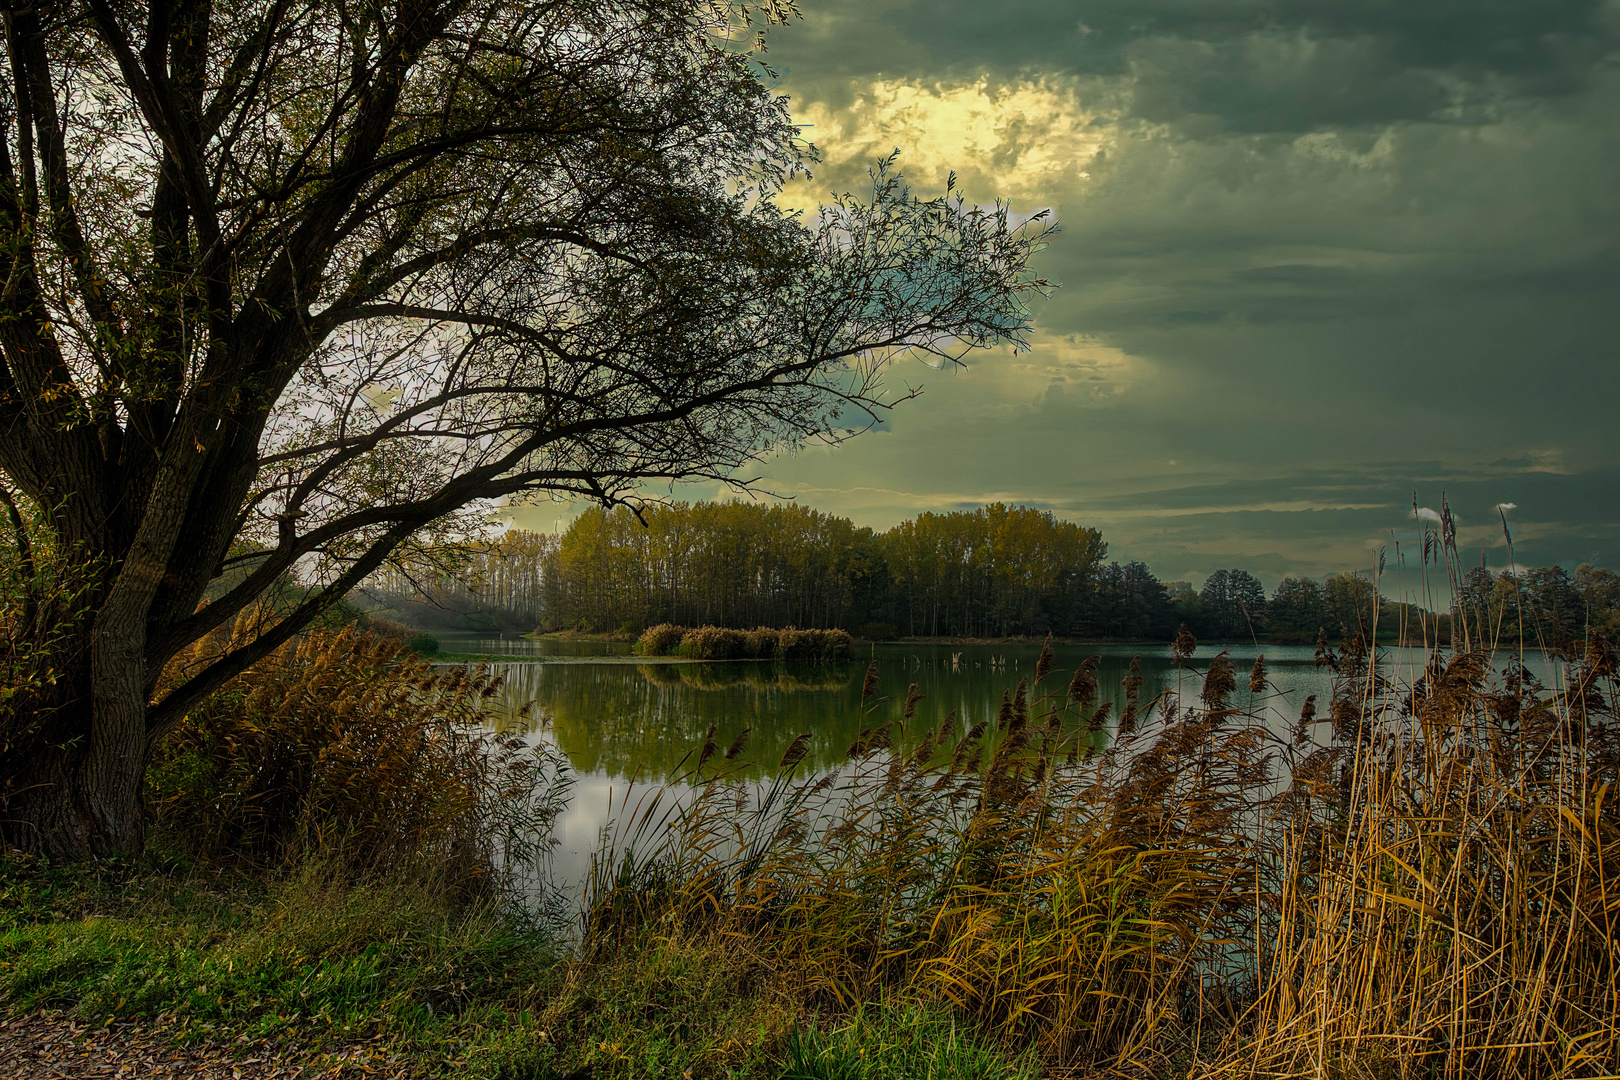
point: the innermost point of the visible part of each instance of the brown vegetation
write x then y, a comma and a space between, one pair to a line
1416, 880
761, 643
1423, 882
348, 747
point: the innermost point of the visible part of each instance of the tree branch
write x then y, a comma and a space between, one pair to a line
162, 717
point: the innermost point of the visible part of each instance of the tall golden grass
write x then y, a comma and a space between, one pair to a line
349, 749
1420, 880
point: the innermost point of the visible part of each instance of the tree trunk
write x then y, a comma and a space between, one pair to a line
74, 748
60, 809
72, 761
118, 744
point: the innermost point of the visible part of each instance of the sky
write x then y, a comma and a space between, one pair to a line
1317, 257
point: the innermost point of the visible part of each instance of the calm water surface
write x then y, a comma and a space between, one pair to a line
628, 724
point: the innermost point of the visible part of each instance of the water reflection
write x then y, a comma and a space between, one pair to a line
628, 725
641, 719
519, 645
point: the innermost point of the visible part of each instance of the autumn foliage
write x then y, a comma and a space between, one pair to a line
349, 747
1422, 879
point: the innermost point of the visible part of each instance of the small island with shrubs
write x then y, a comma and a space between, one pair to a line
761, 643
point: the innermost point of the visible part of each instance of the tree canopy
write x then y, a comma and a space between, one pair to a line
995, 570
289, 286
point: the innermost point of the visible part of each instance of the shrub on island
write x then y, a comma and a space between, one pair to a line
659, 640
837, 645
712, 643
761, 643
814, 645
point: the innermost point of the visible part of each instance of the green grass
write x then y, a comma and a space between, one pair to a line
302, 957
907, 1041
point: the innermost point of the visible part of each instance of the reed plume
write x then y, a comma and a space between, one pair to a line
1083, 686
795, 752
1043, 664
1182, 648
1430, 889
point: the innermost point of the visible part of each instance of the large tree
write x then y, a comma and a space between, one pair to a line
1234, 604
1298, 607
287, 282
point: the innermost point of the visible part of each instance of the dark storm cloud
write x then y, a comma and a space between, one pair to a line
1555, 518
1586, 498
1277, 66
1342, 250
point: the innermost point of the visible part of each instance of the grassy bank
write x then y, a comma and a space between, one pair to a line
308, 956
1397, 881
338, 856
316, 963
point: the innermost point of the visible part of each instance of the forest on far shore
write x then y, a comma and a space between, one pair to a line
997, 571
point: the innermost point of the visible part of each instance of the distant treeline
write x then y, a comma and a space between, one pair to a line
992, 572
1544, 606
498, 586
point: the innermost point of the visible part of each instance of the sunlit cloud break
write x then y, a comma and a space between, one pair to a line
1022, 139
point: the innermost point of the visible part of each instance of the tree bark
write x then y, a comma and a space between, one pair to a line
57, 810
76, 793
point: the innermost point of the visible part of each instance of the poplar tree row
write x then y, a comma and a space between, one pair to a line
995, 571
998, 570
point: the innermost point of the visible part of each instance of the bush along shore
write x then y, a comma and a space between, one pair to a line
1403, 878
764, 643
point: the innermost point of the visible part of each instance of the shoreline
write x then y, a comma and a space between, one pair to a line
1290, 641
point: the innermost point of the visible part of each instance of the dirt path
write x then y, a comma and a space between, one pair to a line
42, 1046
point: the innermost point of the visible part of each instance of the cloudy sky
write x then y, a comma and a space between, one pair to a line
1316, 256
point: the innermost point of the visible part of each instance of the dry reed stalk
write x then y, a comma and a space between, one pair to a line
1434, 890
351, 749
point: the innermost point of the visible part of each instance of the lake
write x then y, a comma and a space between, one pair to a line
628, 723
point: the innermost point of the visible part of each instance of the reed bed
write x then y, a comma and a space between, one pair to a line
349, 749
1416, 878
